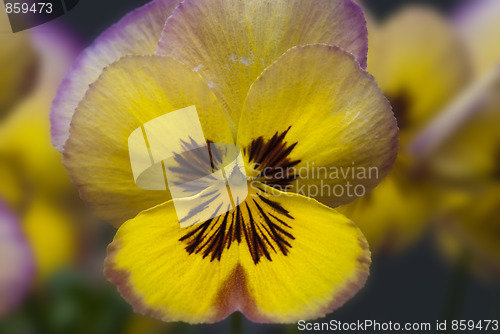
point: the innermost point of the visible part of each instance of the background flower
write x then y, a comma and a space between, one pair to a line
420, 64
16, 259
462, 148
18, 62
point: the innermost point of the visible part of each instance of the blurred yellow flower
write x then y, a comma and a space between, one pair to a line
461, 149
35, 184
33, 181
18, 63
420, 64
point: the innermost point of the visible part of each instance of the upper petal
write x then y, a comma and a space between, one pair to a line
316, 108
136, 33
230, 42
129, 93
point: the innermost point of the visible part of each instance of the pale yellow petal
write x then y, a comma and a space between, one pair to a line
129, 93
230, 42
316, 123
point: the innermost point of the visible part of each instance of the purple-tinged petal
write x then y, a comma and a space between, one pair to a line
136, 33
478, 24
471, 102
16, 262
230, 42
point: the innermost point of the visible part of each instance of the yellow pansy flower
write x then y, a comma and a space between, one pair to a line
420, 64
284, 81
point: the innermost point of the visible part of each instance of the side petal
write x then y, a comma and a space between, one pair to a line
230, 42
96, 154
136, 34
313, 121
15, 260
275, 258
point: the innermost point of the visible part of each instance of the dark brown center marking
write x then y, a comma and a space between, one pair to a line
400, 105
259, 222
272, 159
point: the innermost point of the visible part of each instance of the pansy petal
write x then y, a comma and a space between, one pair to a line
15, 260
158, 277
276, 258
97, 153
27, 158
419, 63
230, 42
18, 62
51, 233
313, 121
136, 34
469, 223
394, 214
327, 263
477, 23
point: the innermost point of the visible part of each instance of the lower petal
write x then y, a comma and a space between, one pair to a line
274, 258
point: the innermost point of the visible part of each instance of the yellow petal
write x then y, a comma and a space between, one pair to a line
158, 277
328, 262
317, 111
129, 93
51, 234
230, 42
27, 158
275, 258
419, 63
18, 64
394, 214
478, 24
469, 226
463, 144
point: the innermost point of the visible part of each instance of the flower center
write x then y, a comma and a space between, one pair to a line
260, 222
269, 161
